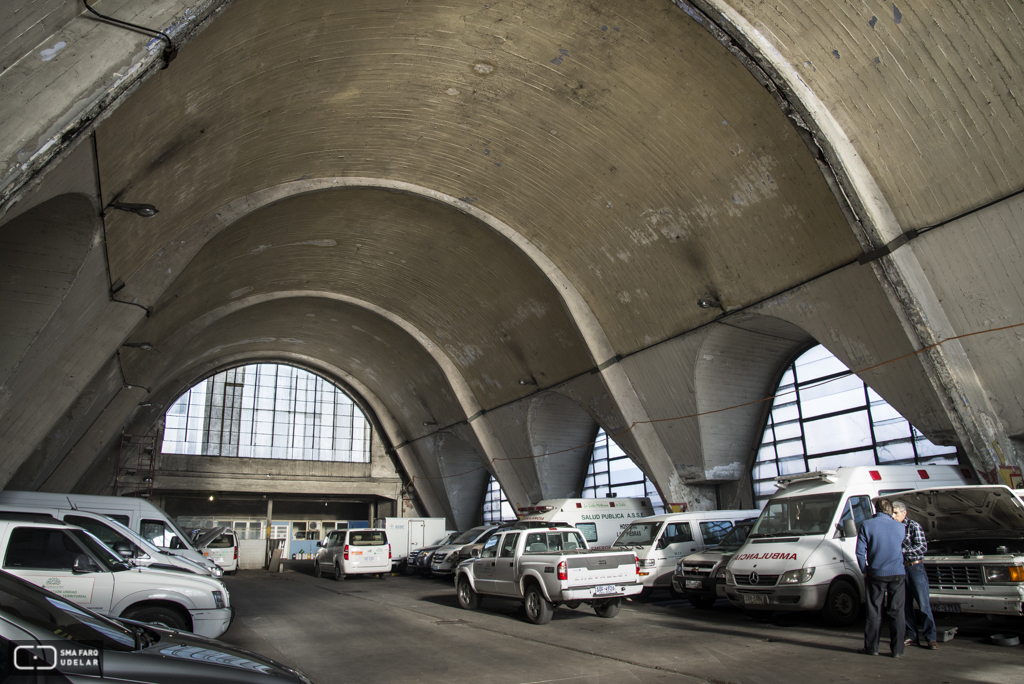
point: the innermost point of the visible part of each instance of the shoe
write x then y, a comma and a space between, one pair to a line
932, 646
907, 642
865, 651
897, 655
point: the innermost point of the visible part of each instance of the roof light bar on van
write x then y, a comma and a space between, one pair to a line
784, 481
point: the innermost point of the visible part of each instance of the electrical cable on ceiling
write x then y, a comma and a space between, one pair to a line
170, 52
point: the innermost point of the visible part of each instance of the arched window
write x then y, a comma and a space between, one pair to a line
612, 472
824, 417
496, 507
267, 410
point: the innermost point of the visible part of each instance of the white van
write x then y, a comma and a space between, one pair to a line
600, 520
802, 552
146, 519
221, 546
361, 551
660, 541
71, 562
120, 538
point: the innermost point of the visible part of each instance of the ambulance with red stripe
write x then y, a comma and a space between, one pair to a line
801, 552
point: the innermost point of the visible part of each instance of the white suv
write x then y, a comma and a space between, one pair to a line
71, 562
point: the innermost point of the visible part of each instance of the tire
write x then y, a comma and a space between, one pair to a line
338, 574
842, 604
159, 615
645, 593
468, 598
316, 570
408, 569
701, 601
674, 592
609, 608
538, 610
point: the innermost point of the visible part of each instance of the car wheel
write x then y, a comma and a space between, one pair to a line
408, 569
699, 601
842, 605
676, 594
316, 570
468, 598
159, 615
609, 608
338, 574
538, 610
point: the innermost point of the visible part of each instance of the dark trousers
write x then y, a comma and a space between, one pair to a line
877, 588
917, 588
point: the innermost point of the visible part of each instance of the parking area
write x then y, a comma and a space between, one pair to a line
407, 628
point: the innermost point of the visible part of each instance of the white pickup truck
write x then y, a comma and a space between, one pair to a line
546, 568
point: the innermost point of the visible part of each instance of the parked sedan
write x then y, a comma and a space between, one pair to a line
47, 633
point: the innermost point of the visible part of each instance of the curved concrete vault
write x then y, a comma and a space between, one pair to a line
493, 224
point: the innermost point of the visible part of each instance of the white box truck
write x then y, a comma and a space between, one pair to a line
802, 552
410, 534
600, 520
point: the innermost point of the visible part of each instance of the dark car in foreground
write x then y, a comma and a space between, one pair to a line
47, 638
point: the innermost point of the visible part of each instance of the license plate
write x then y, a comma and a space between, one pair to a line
693, 584
605, 590
756, 598
946, 607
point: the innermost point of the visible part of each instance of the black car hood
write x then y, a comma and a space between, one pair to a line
188, 658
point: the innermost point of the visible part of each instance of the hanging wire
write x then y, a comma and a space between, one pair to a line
170, 52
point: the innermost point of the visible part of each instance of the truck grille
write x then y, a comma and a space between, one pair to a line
954, 575
762, 580
699, 569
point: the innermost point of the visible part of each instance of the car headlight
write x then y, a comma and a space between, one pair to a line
729, 579
1004, 573
216, 571
718, 571
797, 576
218, 599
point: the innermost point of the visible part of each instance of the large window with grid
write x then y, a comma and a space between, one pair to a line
267, 411
496, 507
613, 473
823, 416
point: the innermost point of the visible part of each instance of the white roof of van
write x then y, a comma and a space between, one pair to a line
699, 515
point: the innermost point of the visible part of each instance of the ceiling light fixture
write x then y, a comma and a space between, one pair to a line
530, 381
429, 423
709, 303
144, 346
143, 210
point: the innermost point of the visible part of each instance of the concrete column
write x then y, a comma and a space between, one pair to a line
270, 518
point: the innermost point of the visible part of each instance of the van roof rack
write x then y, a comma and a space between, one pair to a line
783, 481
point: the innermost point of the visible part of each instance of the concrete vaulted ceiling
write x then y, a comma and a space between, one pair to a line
456, 206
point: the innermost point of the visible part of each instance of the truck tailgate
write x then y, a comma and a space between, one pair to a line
604, 568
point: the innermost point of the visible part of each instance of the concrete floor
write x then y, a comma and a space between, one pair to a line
412, 629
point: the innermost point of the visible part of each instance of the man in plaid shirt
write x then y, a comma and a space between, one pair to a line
914, 546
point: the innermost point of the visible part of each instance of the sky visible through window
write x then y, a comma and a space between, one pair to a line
825, 417
267, 411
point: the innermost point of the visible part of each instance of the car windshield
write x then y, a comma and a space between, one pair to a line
368, 538
639, 534
64, 619
108, 559
469, 535
735, 538
795, 516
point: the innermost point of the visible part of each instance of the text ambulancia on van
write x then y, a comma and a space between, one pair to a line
801, 553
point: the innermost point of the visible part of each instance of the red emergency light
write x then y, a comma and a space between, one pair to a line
924, 474
875, 475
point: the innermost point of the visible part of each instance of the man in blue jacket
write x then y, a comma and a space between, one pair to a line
880, 556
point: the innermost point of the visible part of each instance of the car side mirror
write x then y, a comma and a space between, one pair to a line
475, 553
319, 545
83, 564
662, 543
849, 528
123, 549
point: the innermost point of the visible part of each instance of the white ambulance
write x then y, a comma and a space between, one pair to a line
600, 520
660, 541
801, 552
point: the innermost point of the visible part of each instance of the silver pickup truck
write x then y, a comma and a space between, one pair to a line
546, 568
975, 557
